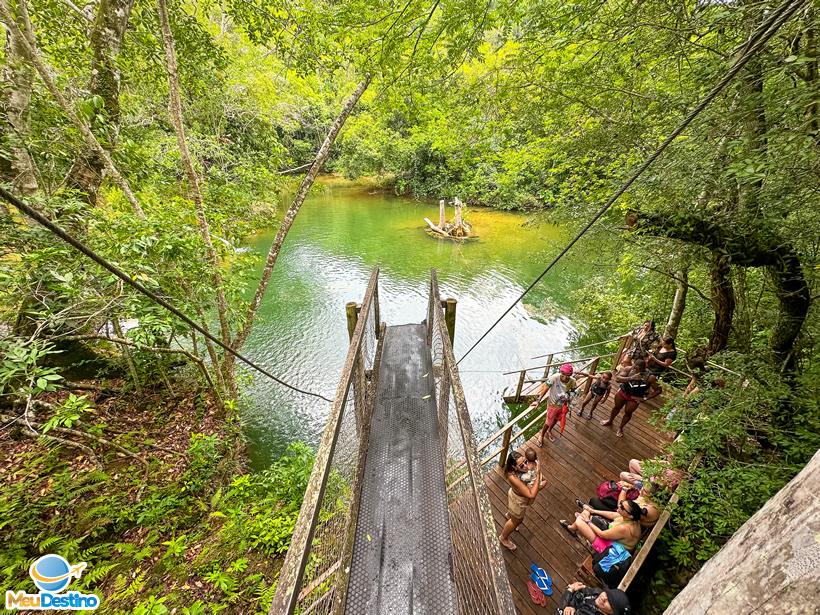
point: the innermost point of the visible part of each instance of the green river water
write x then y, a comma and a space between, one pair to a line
340, 234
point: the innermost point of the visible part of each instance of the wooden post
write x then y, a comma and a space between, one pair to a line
441, 212
352, 318
592, 367
625, 339
449, 306
548, 366
376, 314
505, 447
520, 386
457, 220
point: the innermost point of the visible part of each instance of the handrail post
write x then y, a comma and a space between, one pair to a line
505, 447
621, 348
352, 317
449, 306
520, 385
548, 366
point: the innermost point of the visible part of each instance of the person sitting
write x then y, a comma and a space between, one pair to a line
658, 361
644, 500
670, 478
598, 393
603, 529
519, 496
578, 599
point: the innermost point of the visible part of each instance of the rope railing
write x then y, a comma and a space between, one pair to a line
479, 573
315, 573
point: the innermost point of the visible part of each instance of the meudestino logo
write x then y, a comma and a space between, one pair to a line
52, 574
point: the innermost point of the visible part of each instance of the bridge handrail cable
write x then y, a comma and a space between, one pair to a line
480, 575
313, 577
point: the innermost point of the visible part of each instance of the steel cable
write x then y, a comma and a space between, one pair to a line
105, 264
754, 44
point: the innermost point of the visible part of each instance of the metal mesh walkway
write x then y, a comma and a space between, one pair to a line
402, 551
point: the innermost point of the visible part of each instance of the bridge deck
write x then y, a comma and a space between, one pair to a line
584, 456
402, 546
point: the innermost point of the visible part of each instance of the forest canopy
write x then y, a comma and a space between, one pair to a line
163, 134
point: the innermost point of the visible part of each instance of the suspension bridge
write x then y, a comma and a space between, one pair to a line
403, 508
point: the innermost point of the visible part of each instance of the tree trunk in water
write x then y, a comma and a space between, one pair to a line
290, 215
106, 41
441, 212
770, 563
723, 302
678, 303
18, 78
175, 110
29, 44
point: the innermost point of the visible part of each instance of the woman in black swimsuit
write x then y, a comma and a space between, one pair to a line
660, 360
639, 386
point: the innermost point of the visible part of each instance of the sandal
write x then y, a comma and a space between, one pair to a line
565, 524
579, 503
508, 543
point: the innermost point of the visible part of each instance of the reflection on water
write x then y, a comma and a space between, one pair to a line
339, 236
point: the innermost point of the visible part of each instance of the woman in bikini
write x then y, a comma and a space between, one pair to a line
635, 388
660, 360
603, 528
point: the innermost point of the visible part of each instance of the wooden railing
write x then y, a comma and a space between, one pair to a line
479, 573
508, 434
315, 573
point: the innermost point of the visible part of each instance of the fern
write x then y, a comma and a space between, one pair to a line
46, 544
133, 588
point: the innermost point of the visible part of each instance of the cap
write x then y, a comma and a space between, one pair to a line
619, 602
566, 368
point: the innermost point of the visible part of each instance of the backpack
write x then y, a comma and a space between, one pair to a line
610, 489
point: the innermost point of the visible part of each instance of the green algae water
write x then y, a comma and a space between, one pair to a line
340, 234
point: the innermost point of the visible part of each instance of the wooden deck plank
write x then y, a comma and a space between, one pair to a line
586, 454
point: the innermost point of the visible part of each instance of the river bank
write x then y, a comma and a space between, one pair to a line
156, 499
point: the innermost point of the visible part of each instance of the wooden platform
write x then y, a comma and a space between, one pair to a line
584, 455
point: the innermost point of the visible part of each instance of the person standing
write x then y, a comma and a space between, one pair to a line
644, 339
598, 393
561, 385
519, 496
659, 361
635, 388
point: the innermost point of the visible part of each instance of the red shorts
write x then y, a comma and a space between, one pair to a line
627, 397
553, 414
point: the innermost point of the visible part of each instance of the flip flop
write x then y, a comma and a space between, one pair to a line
542, 579
579, 503
536, 595
545, 585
